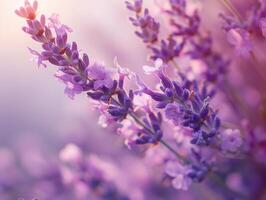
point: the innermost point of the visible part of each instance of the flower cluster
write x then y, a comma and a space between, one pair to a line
185, 104
73, 175
96, 79
149, 28
177, 121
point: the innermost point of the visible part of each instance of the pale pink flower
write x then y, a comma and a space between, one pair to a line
28, 11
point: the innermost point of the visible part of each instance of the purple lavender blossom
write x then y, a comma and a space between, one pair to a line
168, 50
184, 175
101, 75
186, 103
190, 107
149, 28
190, 23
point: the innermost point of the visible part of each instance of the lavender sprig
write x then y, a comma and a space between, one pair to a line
186, 105
168, 49
97, 80
149, 28
188, 102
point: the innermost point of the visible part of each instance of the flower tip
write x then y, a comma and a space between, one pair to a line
28, 11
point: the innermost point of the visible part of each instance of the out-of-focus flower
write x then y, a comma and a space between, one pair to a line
149, 28
70, 153
240, 39
55, 23
179, 173
88, 175
231, 140
263, 26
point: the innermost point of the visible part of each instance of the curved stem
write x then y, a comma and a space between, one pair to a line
231, 8
176, 65
164, 143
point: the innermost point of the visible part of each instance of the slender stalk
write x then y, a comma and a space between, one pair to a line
176, 65
214, 177
164, 143
231, 8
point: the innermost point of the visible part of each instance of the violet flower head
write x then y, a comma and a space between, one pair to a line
191, 106
152, 122
186, 25
179, 173
177, 118
168, 50
56, 50
148, 27
184, 175
101, 75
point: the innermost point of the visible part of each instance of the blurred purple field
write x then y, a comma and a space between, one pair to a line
133, 100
